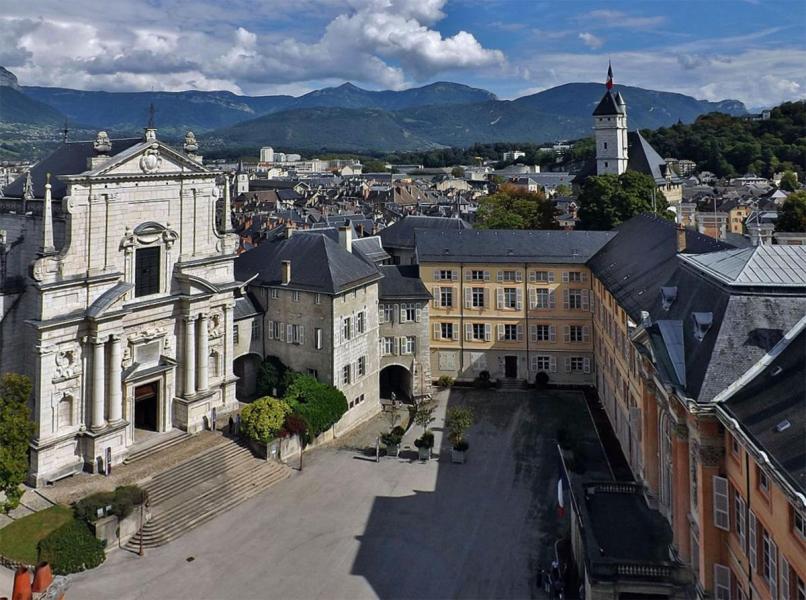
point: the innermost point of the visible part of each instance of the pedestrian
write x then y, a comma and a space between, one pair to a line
238, 425
231, 426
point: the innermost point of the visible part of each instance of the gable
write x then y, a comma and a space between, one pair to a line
152, 158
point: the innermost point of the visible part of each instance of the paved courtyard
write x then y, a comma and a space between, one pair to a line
348, 527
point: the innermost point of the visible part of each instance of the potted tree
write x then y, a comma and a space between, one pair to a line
392, 440
424, 417
458, 421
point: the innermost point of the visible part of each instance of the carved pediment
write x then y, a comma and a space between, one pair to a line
149, 158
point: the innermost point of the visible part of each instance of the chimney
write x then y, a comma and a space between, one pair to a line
346, 237
285, 270
289, 229
681, 238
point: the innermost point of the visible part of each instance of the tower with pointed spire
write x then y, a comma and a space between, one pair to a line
610, 127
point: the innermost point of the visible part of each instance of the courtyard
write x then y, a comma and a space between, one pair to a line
348, 527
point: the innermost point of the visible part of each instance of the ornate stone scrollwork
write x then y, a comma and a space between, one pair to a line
151, 161
214, 325
149, 233
66, 366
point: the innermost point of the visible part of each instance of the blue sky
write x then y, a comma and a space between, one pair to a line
752, 50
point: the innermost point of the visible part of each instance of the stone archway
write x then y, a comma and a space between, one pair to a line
246, 368
397, 379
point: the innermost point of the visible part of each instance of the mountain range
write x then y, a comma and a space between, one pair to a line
346, 117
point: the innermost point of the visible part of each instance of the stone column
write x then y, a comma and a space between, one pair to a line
115, 384
190, 356
202, 354
98, 378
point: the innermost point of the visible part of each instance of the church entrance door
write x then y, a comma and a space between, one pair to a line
146, 397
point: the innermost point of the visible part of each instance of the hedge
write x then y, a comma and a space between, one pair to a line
72, 548
319, 404
263, 420
122, 500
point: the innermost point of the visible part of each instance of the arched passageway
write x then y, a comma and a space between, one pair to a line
397, 379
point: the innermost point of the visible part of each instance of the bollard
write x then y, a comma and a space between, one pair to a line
22, 585
43, 577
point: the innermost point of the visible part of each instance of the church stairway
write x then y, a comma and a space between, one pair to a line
197, 490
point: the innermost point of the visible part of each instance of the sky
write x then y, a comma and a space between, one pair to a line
750, 50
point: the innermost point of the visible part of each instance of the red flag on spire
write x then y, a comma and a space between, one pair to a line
609, 83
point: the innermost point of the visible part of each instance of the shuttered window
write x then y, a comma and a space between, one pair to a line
721, 582
721, 503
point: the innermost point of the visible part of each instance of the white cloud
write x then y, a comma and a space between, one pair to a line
381, 43
612, 19
591, 41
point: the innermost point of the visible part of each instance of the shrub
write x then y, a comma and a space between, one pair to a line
459, 420
318, 404
391, 439
461, 446
425, 441
16, 429
484, 375
71, 548
295, 425
542, 379
122, 500
445, 381
262, 420
273, 377
399, 431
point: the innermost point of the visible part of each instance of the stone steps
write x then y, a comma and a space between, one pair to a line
511, 384
199, 489
153, 449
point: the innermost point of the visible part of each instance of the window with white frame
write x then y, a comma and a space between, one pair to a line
345, 375
318, 338
386, 312
477, 297
407, 344
446, 297
478, 332
574, 299
444, 275
362, 366
509, 275
752, 539
576, 333
298, 334
577, 364
388, 346
510, 298
721, 582
541, 333
799, 523
541, 276
721, 503
313, 373
446, 331
476, 275
541, 362
510, 333
346, 328
317, 298
573, 277
739, 518
801, 588
255, 330
542, 299
785, 579
408, 313
275, 294
295, 296
235, 334
360, 322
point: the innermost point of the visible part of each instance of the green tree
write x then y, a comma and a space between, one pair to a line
563, 190
263, 419
372, 165
789, 182
458, 172
16, 429
608, 200
512, 207
792, 214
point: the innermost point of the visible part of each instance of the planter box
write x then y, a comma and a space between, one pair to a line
392, 449
458, 456
424, 453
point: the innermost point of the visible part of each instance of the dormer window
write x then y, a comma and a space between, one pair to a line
702, 323
668, 295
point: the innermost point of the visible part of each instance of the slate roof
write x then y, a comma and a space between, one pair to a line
745, 326
510, 245
401, 234
775, 393
643, 158
756, 266
68, 159
635, 263
370, 249
401, 282
244, 308
608, 106
318, 264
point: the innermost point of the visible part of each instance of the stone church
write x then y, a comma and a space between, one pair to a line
116, 298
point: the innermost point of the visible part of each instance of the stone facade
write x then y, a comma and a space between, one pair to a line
124, 319
403, 320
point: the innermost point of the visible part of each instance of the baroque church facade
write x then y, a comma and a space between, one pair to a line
116, 298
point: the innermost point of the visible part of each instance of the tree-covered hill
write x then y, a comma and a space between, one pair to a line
730, 146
